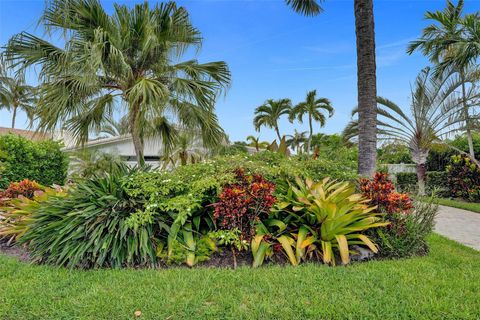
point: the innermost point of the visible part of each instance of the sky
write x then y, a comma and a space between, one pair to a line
275, 53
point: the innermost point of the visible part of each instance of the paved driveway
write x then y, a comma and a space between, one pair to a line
459, 225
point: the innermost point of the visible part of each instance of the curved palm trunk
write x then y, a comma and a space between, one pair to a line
278, 134
14, 116
467, 119
367, 87
309, 143
134, 119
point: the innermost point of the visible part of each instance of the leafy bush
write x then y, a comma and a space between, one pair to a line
464, 178
21, 159
405, 235
24, 188
407, 181
86, 164
381, 192
394, 153
437, 183
439, 157
89, 228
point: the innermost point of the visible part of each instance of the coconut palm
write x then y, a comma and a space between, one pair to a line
15, 93
443, 42
187, 149
312, 107
297, 140
256, 143
270, 112
434, 105
366, 77
129, 59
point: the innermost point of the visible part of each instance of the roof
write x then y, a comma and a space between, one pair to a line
99, 142
28, 134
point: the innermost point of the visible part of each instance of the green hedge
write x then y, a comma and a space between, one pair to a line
436, 181
42, 161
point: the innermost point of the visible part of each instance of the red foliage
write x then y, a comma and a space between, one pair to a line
25, 188
243, 203
382, 193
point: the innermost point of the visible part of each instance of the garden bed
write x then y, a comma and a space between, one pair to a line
442, 285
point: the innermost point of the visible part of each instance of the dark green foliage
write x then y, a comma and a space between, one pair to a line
436, 182
89, 228
238, 147
406, 181
394, 153
464, 178
21, 159
406, 235
439, 157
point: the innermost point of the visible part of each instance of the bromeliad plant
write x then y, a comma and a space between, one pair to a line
320, 218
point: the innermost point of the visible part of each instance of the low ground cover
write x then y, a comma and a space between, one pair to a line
441, 285
471, 206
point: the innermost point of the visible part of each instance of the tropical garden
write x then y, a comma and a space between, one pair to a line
310, 225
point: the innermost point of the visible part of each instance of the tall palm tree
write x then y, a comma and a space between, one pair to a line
366, 77
443, 42
297, 140
130, 58
432, 117
256, 143
15, 93
312, 107
270, 112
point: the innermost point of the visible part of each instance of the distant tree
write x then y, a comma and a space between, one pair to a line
256, 143
270, 112
312, 107
297, 141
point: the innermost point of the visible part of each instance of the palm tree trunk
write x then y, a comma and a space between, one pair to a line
278, 134
367, 87
467, 117
309, 144
136, 135
14, 116
421, 174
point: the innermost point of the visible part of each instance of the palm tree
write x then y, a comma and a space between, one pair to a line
115, 128
187, 149
15, 93
297, 140
366, 77
312, 107
443, 42
130, 58
256, 143
270, 112
433, 108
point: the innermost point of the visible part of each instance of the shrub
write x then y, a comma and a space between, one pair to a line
24, 188
464, 178
394, 153
406, 181
89, 228
381, 191
21, 159
437, 183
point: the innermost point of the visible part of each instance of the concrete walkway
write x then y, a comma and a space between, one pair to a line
459, 225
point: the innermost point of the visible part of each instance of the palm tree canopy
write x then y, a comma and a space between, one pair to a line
130, 59
313, 107
270, 112
306, 7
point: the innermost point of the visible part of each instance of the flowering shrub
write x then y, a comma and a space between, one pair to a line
382, 193
244, 202
25, 188
464, 178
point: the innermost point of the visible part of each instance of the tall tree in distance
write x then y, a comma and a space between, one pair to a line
256, 143
366, 77
270, 112
131, 59
15, 93
312, 107
443, 42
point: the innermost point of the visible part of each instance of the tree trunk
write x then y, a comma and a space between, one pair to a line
467, 117
278, 134
14, 116
309, 144
367, 87
421, 174
136, 135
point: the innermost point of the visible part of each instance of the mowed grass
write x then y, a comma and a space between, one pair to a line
471, 206
443, 285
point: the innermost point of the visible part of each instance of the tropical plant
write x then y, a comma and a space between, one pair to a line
87, 163
433, 109
306, 7
185, 149
256, 143
318, 217
297, 140
24, 188
312, 107
444, 43
129, 59
114, 128
89, 228
15, 94
464, 178
270, 112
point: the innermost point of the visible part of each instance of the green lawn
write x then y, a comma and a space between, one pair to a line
471, 206
443, 285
